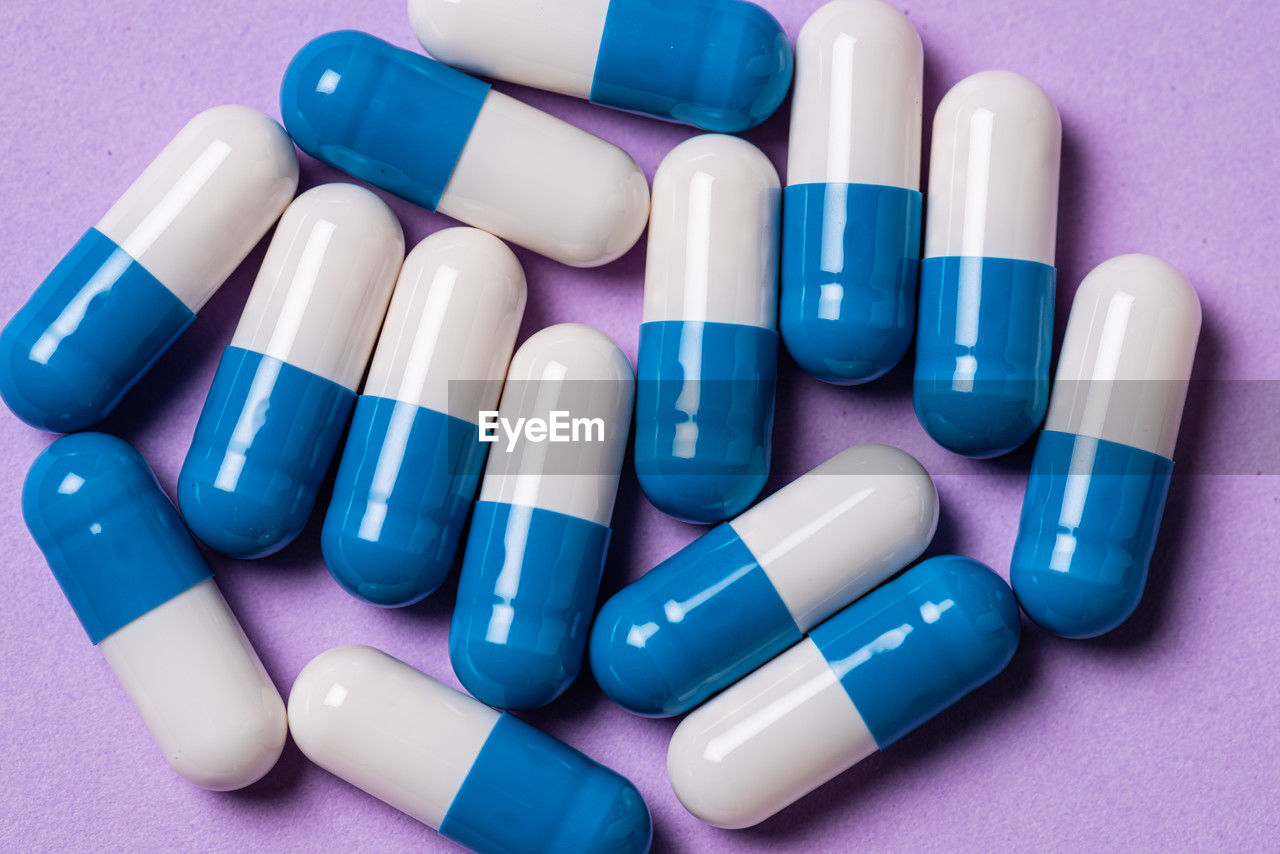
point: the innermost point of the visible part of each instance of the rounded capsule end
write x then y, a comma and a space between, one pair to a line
980, 424
701, 497
623, 667
504, 675
382, 572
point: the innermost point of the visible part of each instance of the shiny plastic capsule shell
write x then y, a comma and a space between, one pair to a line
750, 588
708, 357
134, 282
851, 210
1103, 465
413, 458
540, 532
448, 142
720, 65
146, 597
985, 328
285, 386
868, 676
484, 779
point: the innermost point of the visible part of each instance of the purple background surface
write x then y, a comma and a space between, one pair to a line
1163, 735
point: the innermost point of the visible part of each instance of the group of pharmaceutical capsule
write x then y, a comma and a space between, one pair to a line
781, 625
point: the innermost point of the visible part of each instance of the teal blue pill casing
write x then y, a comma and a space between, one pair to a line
1104, 463
133, 283
540, 532
850, 264
285, 386
704, 416
984, 336
719, 65
708, 357
112, 538
934, 634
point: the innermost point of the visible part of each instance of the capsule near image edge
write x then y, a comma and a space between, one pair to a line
147, 599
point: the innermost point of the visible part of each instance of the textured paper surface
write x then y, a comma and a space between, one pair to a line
1165, 735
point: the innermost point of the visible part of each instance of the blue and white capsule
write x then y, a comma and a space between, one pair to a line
985, 333
750, 588
147, 599
134, 282
540, 531
1103, 465
286, 384
851, 211
413, 456
708, 358
448, 142
862, 680
719, 65
482, 778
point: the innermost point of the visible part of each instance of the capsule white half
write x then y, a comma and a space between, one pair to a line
454, 764
132, 285
286, 385
413, 457
1103, 465
748, 589
540, 532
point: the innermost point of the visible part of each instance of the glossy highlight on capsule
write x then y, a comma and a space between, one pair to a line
540, 531
985, 329
862, 680
482, 778
134, 282
719, 65
751, 587
1104, 463
852, 207
413, 456
708, 357
285, 386
147, 599
448, 142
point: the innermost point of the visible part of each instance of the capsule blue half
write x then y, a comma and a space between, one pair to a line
284, 389
448, 142
133, 283
704, 416
719, 65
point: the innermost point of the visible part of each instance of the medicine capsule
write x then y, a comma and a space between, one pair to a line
147, 599
134, 282
720, 65
540, 531
868, 676
1102, 467
750, 588
986, 291
482, 778
286, 384
851, 210
708, 358
413, 457
448, 142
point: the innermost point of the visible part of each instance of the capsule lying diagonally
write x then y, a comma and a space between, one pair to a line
448, 142
1102, 468
985, 328
858, 683
146, 597
751, 587
413, 458
720, 65
852, 206
482, 778
286, 384
134, 282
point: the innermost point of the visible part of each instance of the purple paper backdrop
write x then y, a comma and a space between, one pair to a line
1163, 735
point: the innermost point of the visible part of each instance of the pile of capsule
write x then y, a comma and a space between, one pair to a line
792, 627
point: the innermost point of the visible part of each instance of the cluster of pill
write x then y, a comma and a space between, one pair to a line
782, 624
